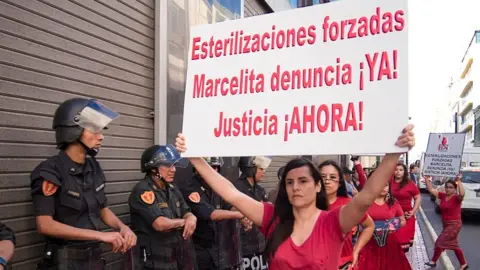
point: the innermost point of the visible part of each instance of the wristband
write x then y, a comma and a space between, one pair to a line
3, 262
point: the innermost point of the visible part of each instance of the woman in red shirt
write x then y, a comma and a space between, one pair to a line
300, 233
336, 190
390, 255
450, 207
404, 191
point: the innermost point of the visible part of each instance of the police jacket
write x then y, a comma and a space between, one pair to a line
7, 234
253, 241
72, 193
163, 250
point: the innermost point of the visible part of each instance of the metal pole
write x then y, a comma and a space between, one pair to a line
455, 120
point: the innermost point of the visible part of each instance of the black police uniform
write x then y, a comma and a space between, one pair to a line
160, 250
253, 241
6, 234
77, 202
72, 193
217, 243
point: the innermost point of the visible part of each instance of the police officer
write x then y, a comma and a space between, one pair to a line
159, 214
216, 239
272, 195
68, 191
7, 245
253, 241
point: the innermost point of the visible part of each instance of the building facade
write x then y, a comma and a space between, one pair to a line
129, 54
464, 98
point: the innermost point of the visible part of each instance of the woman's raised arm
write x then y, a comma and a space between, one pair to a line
353, 212
249, 207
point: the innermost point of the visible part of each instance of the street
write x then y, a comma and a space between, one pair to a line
469, 235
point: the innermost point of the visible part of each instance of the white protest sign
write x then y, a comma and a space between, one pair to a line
327, 79
444, 154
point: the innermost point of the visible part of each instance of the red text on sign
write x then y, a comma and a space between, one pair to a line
324, 118
360, 27
247, 82
247, 124
381, 65
242, 43
339, 74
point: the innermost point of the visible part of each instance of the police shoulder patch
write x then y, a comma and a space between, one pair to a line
49, 188
148, 197
194, 197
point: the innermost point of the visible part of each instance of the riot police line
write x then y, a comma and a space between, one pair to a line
172, 227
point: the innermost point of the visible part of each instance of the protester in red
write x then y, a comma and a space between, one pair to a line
337, 197
300, 233
404, 191
390, 255
361, 175
450, 207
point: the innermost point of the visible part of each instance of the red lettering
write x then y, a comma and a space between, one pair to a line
375, 22
399, 19
265, 36
285, 80
195, 47
256, 130
387, 25
351, 32
280, 42
211, 45
301, 35
312, 34
337, 112
328, 79
350, 120
323, 109
371, 65
308, 118
198, 86
295, 125
218, 48
384, 67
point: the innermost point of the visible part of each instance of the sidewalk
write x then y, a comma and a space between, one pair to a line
418, 253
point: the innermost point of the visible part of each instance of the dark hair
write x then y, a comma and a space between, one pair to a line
283, 211
451, 182
342, 186
391, 199
405, 178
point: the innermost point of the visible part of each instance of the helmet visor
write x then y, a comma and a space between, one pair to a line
262, 161
214, 161
168, 156
95, 116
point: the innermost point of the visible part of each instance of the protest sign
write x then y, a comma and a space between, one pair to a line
444, 154
327, 79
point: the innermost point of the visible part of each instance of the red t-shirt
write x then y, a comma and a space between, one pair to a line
347, 249
405, 194
451, 208
385, 212
321, 250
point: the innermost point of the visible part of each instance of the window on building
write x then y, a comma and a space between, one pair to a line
477, 37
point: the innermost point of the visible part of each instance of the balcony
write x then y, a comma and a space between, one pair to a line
467, 123
466, 69
465, 85
465, 106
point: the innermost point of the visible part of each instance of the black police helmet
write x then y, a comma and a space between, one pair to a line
66, 129
246, 166
280, 172
158, 155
